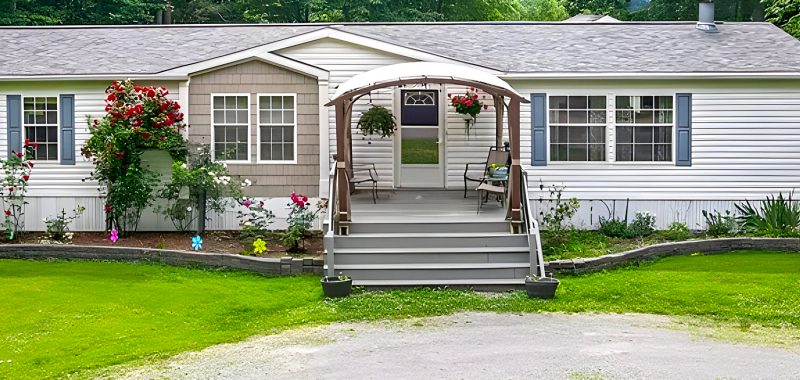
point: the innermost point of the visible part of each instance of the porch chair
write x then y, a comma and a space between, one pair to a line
365, 173
495, 157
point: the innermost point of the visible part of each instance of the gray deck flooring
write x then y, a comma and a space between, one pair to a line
418, 205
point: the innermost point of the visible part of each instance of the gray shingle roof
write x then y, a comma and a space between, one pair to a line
508, 47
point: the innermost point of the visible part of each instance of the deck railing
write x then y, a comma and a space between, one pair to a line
329, 224
532, 229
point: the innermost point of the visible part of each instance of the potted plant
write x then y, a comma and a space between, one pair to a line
377, 121
541, 287
337, 286
468, 106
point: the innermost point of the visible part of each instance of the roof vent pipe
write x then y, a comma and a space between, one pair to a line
705, 21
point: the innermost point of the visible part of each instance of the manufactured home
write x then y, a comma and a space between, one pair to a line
668, 117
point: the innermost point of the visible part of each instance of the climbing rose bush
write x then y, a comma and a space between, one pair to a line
137, 118
17, 173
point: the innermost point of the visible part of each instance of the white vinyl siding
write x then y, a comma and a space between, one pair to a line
745, 145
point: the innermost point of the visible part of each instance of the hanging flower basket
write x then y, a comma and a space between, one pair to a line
377, 121
469, 106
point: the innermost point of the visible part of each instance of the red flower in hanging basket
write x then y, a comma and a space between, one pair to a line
467, 104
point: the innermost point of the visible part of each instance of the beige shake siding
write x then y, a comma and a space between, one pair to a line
254, 77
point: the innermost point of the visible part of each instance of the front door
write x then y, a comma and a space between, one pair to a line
420, 150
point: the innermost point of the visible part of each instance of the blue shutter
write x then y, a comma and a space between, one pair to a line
14, 111
684, 132
539, 129
67, 137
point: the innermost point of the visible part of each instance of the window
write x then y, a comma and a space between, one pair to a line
231, 125
277, 123
644, 128
419, 108
577, 128
40, 122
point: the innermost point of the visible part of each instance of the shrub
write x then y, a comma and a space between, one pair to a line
775, 217
301, 218
256, 220
559, 210
58, 226
137, 118
17, 172
613, 227
198, 187
677, 231
718, 224
643, 224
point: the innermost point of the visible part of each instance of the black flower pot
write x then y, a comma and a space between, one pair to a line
541, 288
336, 288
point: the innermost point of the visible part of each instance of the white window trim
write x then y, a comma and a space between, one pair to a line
611, 126
23, 134
587, 124
258, 130
249, 127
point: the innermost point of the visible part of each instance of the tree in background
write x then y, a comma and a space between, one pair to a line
785, 14
544, 10
76, 12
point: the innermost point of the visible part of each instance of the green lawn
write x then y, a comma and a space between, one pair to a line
419, 151
67, 317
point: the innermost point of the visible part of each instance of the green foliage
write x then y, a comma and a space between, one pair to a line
57, 228
255, 219
301, 218
16, 174
718, 224
774, 217
677, 231
643, 224
377, 121
70, 12
544, 10
137, 118
785, 14
558, 211
613, 227
198, 188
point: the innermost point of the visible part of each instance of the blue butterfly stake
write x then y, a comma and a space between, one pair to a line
197, 243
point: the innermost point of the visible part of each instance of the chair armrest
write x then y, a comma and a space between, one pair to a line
466, 167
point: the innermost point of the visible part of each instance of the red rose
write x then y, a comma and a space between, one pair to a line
176, 106
19, 154
163, 106
26, 178
146, 135
107, 207
120, 154
179, 117
111, 97
150, 93
108, 108
8, 212
30, 164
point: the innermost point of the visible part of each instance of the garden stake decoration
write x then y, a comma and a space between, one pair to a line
197, 243
114, 236
259, 246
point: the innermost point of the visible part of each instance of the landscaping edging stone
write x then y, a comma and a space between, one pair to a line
670, 249
285, 266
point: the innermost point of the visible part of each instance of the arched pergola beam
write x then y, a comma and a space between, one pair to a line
487, 88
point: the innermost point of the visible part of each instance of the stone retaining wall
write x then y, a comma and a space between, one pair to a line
670, 249
285, 266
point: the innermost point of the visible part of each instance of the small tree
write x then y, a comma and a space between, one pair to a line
137, 118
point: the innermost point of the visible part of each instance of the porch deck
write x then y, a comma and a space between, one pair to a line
423, 205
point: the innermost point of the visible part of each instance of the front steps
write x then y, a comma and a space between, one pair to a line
456, 252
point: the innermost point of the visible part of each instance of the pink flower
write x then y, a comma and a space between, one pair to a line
247, 203
114, 236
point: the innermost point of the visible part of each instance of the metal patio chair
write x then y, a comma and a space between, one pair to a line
365, 173
495, 157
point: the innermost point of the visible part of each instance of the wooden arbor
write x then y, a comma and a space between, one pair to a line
414, 73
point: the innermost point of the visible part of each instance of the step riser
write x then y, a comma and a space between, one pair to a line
436, 274
373, 228
431, 241
431, 258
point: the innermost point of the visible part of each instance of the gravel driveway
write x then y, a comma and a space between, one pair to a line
483, 346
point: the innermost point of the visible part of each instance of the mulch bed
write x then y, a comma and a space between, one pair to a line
213, 241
